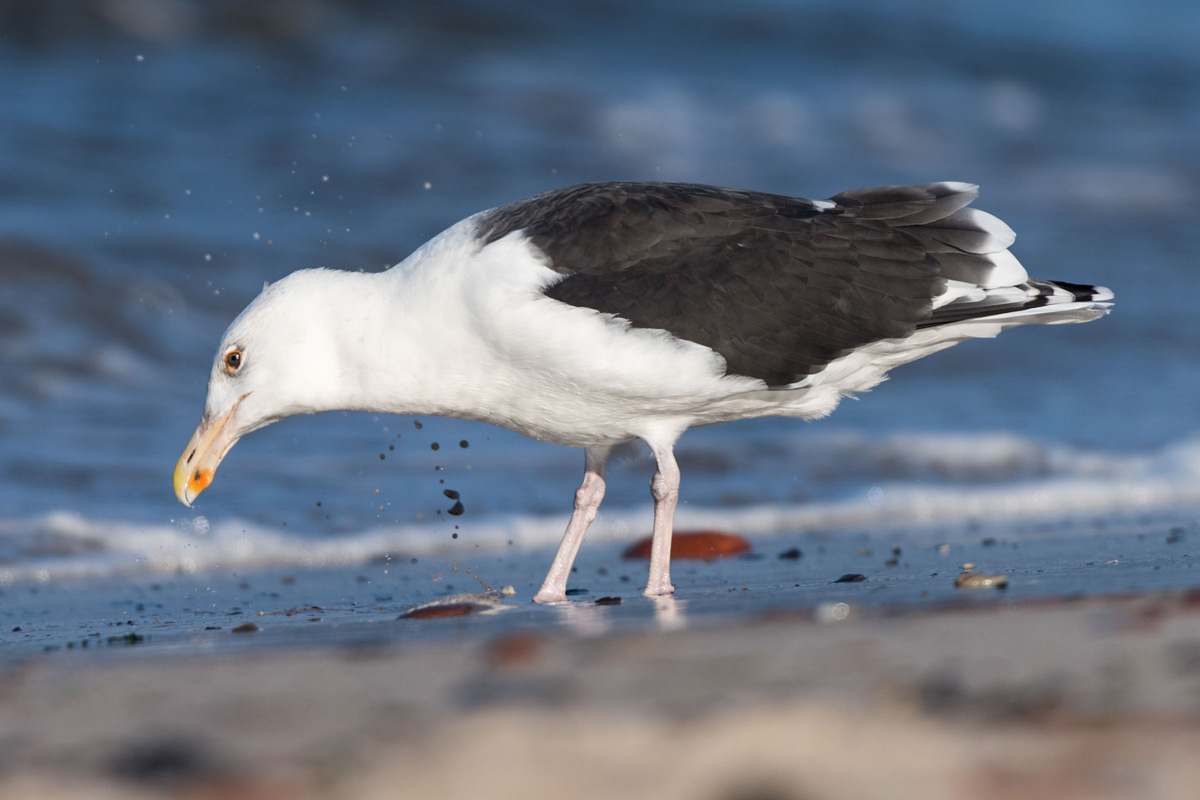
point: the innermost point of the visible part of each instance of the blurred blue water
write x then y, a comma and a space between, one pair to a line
159, 161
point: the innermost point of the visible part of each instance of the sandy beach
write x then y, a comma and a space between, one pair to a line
1094, 698
161, 162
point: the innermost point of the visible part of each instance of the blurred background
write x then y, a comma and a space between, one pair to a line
161, 159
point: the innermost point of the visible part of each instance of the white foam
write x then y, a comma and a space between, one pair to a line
1000, 478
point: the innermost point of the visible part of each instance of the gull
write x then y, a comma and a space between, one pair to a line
605, 313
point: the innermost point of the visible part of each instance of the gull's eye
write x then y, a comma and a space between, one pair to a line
233, 361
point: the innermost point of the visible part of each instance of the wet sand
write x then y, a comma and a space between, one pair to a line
1094, 698
745, 686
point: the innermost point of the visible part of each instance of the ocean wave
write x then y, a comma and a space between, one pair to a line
1057, 483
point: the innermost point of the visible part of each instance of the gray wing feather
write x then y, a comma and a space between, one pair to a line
779, 286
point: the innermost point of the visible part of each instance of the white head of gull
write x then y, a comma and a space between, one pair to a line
602, 313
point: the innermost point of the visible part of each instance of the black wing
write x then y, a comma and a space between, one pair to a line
779, 286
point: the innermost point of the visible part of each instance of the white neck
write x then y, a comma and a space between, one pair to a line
405, 342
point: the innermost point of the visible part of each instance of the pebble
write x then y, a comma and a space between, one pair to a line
514, 649
246, 627
980, 580
851, 577
441, 610
460, 605
695, 546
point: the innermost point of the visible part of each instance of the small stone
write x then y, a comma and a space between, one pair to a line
702, 545
791, 554
851, 577
441, 611
980, 580
246, 627
610, 600
128, 639
514, 649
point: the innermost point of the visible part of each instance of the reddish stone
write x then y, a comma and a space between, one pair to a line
440, 611
695, 546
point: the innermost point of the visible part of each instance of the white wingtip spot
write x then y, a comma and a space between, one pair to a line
1000, 236
1006, 270
959, 187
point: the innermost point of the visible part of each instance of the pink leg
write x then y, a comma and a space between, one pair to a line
587, 503
664, 487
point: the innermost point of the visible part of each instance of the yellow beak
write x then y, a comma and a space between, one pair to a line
195, 469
